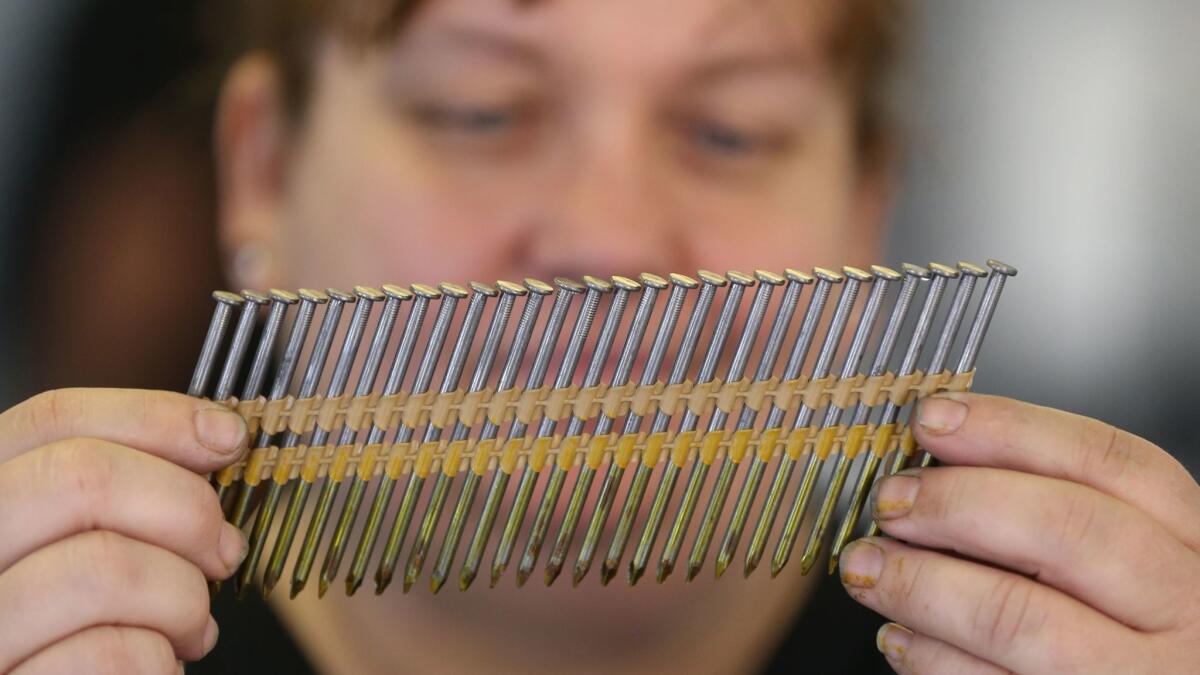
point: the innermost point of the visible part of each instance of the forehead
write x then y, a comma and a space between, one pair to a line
645, 33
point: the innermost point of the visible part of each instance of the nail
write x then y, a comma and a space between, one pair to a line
220, 430
862, 563
893, 640
232, 546
942, 413
210, 635
895, 495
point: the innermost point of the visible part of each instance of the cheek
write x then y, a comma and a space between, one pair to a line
801, 222
362, 207
803, 213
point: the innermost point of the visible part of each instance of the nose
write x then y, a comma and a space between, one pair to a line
607, 213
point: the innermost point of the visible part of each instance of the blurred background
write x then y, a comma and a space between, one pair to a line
1063, 138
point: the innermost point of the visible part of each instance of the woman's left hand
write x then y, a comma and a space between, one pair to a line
1052, 543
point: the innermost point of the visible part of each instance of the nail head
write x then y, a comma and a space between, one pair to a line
340, 295
828, 275
769, 277
509, 288
539, 287
972, 269
885, 273
368, 293
285, 297
313, 295
227, 298
653, 280
798, 276
739, 278
858, 274
256, 298
426, 291
1002, 268
483, 289
941, 270
453, 290
569, 285
396, 292
683, 280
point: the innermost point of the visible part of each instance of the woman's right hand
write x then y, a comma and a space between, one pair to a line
108, 531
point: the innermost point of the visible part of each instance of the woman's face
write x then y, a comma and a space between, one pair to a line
494, 141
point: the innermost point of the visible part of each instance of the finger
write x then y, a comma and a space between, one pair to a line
975, 430
82, 484
106, 650
910, 653
101, 578
992, 614
1066, 535
191, 432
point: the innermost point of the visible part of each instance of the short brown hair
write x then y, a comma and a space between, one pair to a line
865, 42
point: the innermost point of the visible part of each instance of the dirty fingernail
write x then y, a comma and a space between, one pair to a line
861, 565
232, 547
221, 431
893, 640
895, 495
941, 414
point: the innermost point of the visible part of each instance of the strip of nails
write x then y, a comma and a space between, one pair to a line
876, 323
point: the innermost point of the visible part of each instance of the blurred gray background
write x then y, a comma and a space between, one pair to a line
1063, 138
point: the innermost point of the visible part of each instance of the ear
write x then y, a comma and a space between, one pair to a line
251, 138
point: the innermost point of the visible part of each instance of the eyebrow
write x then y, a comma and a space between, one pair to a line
492, 43
707, 70
721, 68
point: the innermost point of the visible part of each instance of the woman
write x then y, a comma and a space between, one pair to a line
457, 139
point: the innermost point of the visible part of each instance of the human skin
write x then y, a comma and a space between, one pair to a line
583, 137
494, 142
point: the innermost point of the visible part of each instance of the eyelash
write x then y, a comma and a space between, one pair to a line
710, 142
725, 139
466, 119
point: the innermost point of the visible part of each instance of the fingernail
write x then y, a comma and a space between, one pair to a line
895, 495
893, 640
221, 431
861, 564
210, 635
941, 414
232, 546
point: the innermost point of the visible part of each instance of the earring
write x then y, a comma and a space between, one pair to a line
250, 266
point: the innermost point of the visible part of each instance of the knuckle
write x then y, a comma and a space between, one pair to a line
1104, 450
133, 650
950, 491
1002, 417
928, 655
112, 651
104, 565
160, 656
82, 475
206, 509
1007, 612
53, 412
1077, 522
911, 581
194, 610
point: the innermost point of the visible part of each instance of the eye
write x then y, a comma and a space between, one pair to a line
724, 139
468, 119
